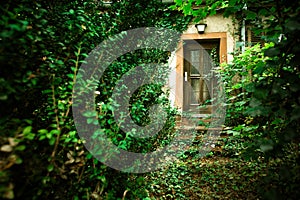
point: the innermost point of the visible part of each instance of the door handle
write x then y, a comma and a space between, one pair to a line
185, 76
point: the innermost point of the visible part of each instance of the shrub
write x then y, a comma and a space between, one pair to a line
42, 46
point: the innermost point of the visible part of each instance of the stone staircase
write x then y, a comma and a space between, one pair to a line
198, 133
194, 122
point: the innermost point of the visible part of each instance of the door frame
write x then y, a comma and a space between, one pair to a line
222, 36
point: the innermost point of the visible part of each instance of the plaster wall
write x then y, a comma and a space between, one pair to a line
218, 23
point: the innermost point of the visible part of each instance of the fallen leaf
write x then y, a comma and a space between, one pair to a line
6, 148
12, 141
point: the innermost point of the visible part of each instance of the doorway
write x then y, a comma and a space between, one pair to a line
198, 85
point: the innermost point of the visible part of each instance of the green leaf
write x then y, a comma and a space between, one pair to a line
49, 135
90, 120
187, 9
20, 148
42, 131
18, 160
54, 132
90, 114
52, 141
27, 130
251, 15
178, 2
80, 18
71, 11
42, 137
50, 167
3, 97
263, 12
70, 76
30, 136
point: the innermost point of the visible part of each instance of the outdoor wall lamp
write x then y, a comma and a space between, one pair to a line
200, 28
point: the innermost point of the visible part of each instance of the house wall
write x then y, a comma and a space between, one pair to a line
217, 26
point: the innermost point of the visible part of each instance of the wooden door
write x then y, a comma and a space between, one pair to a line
198, 86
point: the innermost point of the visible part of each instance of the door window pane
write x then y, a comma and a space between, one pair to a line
205, 92
195, 62
200, 93
195, 93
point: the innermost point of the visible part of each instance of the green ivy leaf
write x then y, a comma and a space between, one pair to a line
50, 167
27, 130
20, 148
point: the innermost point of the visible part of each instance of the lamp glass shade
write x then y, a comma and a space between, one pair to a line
201, 27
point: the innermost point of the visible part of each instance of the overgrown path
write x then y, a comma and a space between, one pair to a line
221, 174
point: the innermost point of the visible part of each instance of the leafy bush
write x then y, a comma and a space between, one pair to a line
42, 46
261, 103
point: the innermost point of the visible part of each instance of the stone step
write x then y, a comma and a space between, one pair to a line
199, 128
184, 123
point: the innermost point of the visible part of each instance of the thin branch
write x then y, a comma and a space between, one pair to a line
124, 194
56, 119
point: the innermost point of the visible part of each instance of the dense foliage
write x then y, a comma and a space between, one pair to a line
43, 43
262, 85
244, 163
